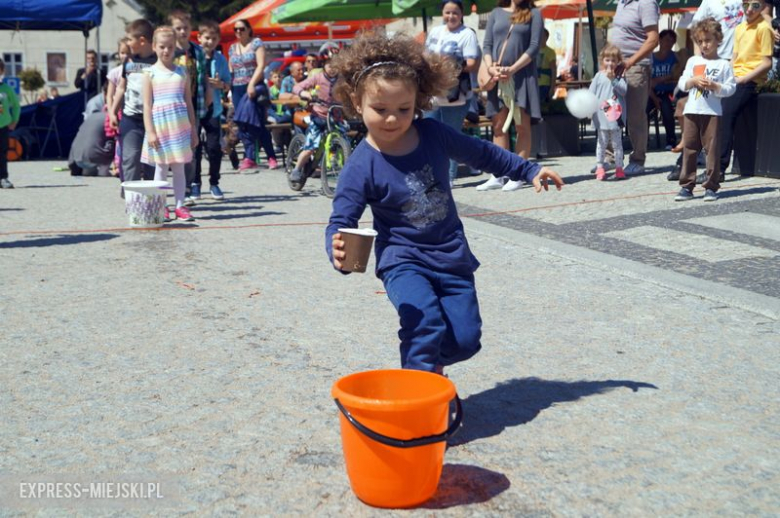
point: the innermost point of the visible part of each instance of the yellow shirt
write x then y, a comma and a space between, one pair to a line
545, 66
752, 43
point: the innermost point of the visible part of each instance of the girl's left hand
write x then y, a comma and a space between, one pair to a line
251, 92
195, 139
542, 180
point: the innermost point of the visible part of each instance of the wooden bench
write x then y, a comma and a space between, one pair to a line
484, 125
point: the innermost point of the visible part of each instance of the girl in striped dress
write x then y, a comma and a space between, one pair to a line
169, 119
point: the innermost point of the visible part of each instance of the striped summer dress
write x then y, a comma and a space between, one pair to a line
170, 118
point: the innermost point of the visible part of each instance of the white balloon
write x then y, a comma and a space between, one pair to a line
581, 103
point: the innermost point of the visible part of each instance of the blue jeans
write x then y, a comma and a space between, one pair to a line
439, 314
453, 117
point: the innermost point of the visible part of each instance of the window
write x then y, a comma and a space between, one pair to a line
56, 68
13, 63
105, 61
483, 18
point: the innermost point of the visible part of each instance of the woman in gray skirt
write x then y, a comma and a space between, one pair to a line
516, 98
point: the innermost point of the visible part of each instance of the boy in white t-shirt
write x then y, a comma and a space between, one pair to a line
708, 78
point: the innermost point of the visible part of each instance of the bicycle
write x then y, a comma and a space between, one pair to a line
331, 155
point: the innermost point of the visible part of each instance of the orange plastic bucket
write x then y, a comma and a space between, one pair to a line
393, 431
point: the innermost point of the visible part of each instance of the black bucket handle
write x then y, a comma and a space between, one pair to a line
406, 443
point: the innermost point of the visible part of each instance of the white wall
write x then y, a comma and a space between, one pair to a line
34, 45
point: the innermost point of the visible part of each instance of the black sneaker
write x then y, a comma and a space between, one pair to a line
710, 195
234, 161
674, 175
701, 178
296, 179
684, 195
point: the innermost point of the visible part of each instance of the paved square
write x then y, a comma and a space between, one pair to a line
616, 378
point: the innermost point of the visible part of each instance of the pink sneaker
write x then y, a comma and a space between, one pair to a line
619, 174
273, 164
247, 164
600, 174
183, 213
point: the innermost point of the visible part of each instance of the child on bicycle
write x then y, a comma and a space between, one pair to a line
401, 169
317, 86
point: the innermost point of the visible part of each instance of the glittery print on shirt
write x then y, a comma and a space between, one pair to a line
428, 202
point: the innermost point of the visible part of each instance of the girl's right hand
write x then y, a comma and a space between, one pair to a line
338, 250
151, 139
543, 179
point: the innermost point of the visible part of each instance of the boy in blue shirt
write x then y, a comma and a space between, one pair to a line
218, 77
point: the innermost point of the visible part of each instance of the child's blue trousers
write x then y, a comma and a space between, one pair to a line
439, 313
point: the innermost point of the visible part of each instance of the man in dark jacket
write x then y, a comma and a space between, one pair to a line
87, 78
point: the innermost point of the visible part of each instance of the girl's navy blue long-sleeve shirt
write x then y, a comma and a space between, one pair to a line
411, 200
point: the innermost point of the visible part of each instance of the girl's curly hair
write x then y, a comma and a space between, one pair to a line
707, 26
408, 61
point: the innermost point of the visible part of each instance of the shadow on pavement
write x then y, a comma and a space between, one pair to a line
51, 186
10, 209
66, 239
461, 484
249, 199
745, 192
240, 216
519, 401
610, 174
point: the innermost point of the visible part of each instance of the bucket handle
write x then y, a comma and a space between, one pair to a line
406, 443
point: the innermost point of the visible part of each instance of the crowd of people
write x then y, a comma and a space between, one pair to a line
508, 78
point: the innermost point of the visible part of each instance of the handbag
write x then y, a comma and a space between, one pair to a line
486, 81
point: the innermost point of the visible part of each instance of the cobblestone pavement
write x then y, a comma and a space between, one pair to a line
629, 368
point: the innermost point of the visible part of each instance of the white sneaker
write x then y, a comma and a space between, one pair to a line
513, 185
634, 168
492, 183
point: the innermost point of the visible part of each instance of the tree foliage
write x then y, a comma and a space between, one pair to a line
31, 79
157, 11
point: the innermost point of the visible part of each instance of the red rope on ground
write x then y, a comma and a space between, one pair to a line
319, 223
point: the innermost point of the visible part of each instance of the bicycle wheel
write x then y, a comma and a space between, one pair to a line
336, 153
293, 150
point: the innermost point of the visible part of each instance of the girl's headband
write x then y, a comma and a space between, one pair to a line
370, 68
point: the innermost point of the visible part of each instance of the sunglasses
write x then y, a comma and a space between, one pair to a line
752, 5
239, 29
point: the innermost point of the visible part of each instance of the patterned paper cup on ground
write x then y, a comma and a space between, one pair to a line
357, 246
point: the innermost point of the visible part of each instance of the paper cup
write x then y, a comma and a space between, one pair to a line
357, 246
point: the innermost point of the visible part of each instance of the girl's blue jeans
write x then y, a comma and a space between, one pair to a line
439, 314
452, 116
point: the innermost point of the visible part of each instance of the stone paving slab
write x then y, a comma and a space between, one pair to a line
204, 354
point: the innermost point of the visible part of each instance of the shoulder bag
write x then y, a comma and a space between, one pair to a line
486, 81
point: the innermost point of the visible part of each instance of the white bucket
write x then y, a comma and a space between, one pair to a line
145, 203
